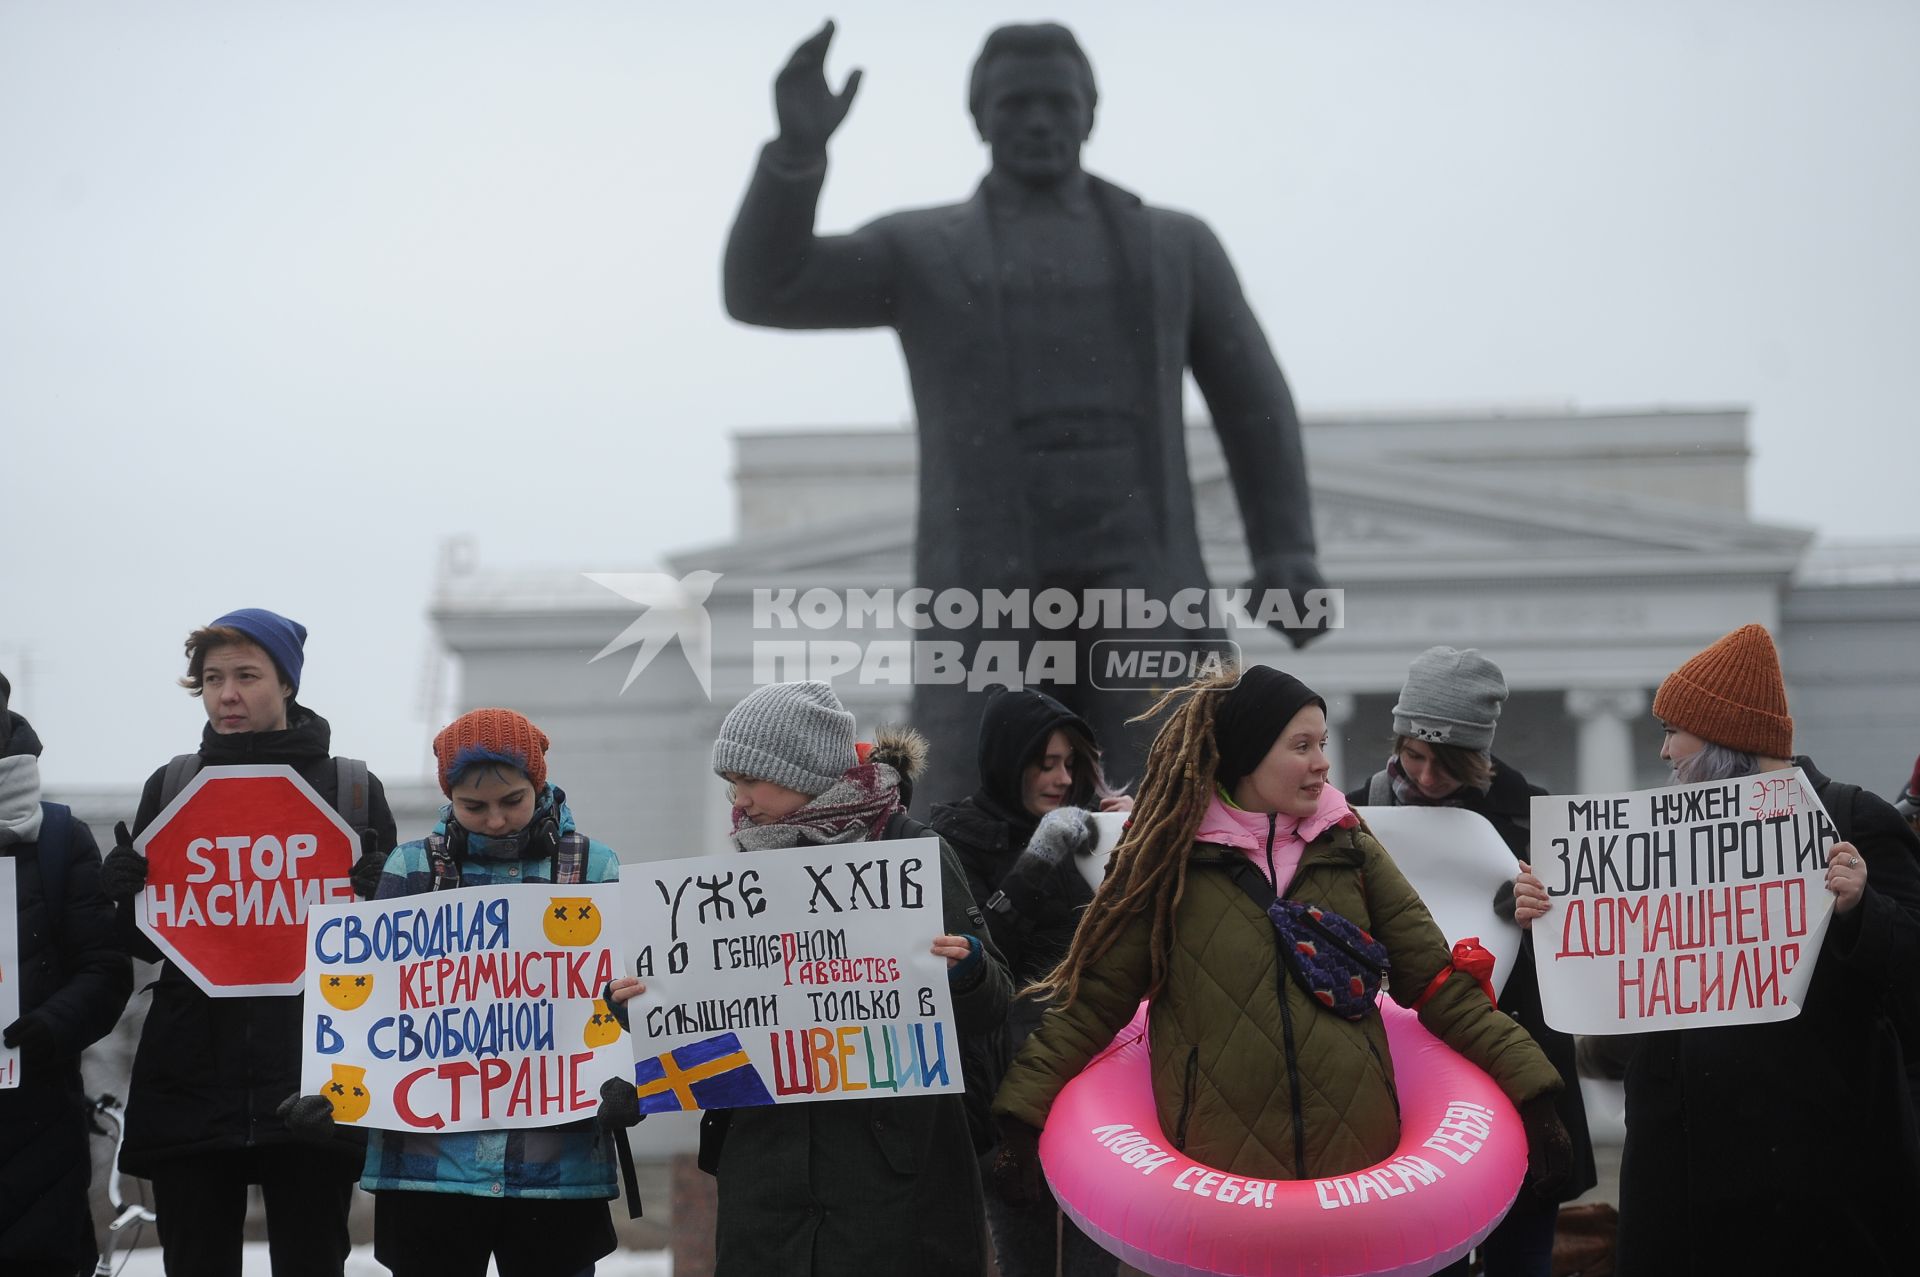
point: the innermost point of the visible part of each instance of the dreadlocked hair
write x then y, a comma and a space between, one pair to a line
1147, 874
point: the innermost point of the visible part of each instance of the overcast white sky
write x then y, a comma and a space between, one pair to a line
289, 293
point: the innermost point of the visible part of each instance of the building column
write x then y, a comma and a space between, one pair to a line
1339, 712
1605, 717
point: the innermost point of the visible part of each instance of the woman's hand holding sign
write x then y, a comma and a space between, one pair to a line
953, 948
1846, 876
1530, 898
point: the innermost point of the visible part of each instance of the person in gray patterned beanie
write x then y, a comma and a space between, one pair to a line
1451, 697
797, 735
1443, 728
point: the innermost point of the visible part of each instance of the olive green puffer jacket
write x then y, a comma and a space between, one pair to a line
1220, 1075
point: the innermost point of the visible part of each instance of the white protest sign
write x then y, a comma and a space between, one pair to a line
1107, 828
1679, 907
464, 1010
9, 969
778, 977
1456, 861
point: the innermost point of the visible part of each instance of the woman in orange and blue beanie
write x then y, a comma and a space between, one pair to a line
1783, 1148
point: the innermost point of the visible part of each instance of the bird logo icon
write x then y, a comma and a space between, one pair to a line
675, 608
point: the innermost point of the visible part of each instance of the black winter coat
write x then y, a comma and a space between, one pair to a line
1033, 942
1789, 1148
1507, 807
991, 828
73, 976
209, 1072
845, 1188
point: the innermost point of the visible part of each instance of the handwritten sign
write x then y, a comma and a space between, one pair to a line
778, 977
472, 1009
1686, 906
9, 969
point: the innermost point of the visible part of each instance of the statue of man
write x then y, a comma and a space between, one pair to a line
1047, 323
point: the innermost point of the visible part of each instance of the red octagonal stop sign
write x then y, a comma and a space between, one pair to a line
233, 864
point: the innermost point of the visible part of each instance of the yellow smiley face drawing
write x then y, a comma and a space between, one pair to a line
602, 1028
572, 921
346, 990
347, 1091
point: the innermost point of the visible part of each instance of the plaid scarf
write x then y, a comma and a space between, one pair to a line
853, 809
1408, 794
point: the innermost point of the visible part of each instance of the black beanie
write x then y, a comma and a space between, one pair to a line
1252, 716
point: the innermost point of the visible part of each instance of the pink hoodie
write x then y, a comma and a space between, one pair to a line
1246, 832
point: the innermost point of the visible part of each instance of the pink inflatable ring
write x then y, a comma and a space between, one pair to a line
1457, 1169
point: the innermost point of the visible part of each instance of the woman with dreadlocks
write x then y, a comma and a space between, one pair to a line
1253, 1075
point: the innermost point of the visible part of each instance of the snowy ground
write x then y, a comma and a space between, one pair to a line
146, 1263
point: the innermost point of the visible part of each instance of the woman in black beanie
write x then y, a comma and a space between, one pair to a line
1252, 1075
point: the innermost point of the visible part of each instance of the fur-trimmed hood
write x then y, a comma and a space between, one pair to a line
900, 748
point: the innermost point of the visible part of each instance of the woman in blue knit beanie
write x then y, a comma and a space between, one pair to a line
209, 1073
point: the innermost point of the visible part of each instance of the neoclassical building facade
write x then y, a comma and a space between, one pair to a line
1587, 553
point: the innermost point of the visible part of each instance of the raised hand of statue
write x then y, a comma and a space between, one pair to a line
808, 110
1297, 574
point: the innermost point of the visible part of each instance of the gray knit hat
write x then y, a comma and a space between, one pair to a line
1451, 697
794, 734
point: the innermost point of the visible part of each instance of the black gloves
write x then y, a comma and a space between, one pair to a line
367, 870
1549, 1149
619, 1009
1016, 1168
123, 874
34, 1038
619, 1105
308, 1117
1062, 832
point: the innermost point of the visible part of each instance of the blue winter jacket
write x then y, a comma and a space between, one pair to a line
574, 1160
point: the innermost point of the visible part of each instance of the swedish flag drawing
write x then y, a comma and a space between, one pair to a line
713, 1073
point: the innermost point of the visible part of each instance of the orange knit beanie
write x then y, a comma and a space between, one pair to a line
1731, 694
490, 735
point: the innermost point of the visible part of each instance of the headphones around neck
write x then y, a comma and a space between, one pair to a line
543, 836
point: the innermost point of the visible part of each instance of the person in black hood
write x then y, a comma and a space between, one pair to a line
209, 1073
72, 982
1017, 836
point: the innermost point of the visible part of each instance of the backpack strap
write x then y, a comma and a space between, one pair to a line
350, 795
901, 825
55, 843
181, 769
442, 863
623, 1149
570, 859
1838, 798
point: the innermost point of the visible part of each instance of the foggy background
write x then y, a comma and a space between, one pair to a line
290, 294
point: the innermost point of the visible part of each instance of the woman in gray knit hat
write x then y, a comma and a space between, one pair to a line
1442, 756
852, 1186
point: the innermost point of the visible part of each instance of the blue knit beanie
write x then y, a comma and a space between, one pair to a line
284, 640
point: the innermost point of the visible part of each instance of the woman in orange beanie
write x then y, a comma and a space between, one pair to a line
526, 1202
1790, 1147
